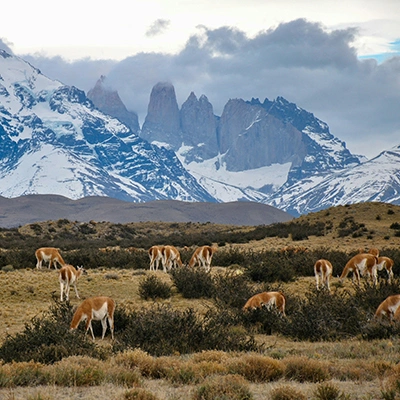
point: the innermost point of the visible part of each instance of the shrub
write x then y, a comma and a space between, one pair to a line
192, 283
152, 287
271, 267
230, 256
324, 316
47, 339
287, 392
231, 289
263, 320
162, 330
230, 387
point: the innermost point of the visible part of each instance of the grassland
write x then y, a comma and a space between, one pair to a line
358, 369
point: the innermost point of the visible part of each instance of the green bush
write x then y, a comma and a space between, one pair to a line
270, 266
232, 289
161, 330
193, 283
324, 316
152, 287
47, 339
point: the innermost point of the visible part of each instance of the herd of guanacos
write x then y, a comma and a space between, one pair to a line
102, 307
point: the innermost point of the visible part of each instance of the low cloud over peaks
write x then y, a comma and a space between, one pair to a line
300, 60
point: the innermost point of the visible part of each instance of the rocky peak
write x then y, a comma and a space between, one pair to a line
108, 101
162, 123
252, 138
199, 128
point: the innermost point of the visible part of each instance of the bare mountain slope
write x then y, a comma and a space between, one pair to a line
35, 208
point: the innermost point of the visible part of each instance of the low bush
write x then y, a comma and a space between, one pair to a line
152, 287
323, 316
47, 339
232, 289
264, 320
161, 330
193, 283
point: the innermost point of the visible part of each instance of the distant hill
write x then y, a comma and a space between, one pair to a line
36, 208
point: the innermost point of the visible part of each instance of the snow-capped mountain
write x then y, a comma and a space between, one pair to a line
251, 151
54, 141
375, 180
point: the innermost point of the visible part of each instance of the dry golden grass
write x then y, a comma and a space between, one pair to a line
361, 370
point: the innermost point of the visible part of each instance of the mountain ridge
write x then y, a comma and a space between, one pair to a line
37, 208
55, 139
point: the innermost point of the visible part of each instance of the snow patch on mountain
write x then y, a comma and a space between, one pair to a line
227, 185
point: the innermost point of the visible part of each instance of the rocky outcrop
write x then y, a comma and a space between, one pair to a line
251, 138
108, 101
199, 128
162, 123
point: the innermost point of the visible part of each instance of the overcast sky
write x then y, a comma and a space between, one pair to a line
339, 60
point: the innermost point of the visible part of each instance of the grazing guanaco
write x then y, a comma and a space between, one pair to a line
156, 256
388, 308
323, 272
97, 309
386, 263
50, 255
172, 258
202, 256
68, 275
266, 299
363, 264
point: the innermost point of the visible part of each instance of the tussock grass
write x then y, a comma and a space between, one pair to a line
232, 387
304, 369
286, 392
257, 368
349, 368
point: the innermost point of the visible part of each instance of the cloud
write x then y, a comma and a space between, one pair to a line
157, 27
317, 69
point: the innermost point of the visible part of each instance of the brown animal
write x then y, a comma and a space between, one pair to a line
388, 308
97, 309
363, 264
172, 258
203, 257
374, 252
156, 256
69, 275
50, 255
386, 263
266, 299
323, 272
